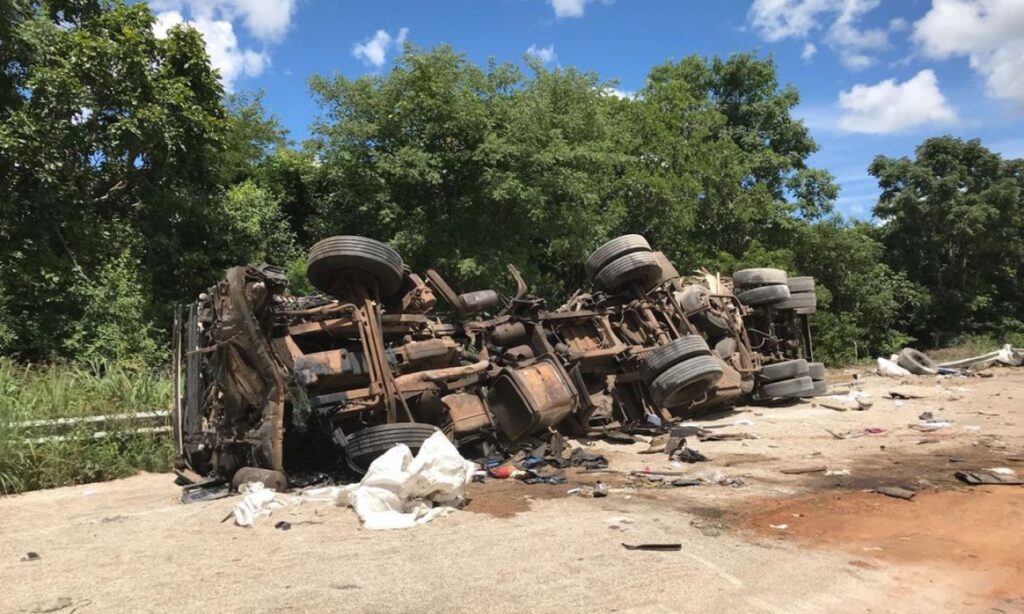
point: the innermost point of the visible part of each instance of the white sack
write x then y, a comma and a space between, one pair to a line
399, 491
889, 368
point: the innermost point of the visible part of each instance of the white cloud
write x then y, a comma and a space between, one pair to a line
265, 20
851, 42
989, 32
898, 24
544, 54
888, 106
568, 8
777, 20
226, 56
780, 19
809, 51
621, 94
374, 50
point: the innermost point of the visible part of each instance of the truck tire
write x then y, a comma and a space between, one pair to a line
351, 254
800, 284
787, 369
685, 382
675, 351
786, 389
611, 250
363, 447
752, 278
800, 300
764, 295
917, 362
640, 267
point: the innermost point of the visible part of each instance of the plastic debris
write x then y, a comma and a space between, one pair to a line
257, 501
888, 368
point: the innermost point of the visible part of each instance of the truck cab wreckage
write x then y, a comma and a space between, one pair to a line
268, 384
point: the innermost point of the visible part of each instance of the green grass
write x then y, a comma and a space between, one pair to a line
42, 392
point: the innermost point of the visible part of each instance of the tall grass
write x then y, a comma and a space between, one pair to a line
42, 392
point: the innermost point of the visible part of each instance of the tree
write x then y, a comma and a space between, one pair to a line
467, 169
953, 219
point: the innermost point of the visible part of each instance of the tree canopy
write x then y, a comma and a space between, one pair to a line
129, 181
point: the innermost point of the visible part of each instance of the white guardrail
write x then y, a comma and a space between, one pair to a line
145, 422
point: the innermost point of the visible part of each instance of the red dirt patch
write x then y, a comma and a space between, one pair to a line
978, 529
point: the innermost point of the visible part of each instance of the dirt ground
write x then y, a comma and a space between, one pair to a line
780, 542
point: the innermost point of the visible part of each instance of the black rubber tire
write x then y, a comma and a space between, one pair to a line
818, 389
725, 348
787, 369
752, 278
685, 382
711, 322
800, 300
361, 255
787, 388
640, 267
672, 353
916, 362
363, 447
612, 250
800, 284
764, 295
816, 370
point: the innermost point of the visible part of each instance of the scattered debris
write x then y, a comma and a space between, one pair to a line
283, 525
975, 478
896, 492
838, 472
779, 527
927, 426
926, 416
888, 368
906, 396
53, 605
796, 470
686, 482
688, 455
654, 547
30, 556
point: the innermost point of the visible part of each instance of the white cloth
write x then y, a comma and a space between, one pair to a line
257, 500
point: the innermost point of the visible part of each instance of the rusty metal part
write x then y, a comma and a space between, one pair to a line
415, 381
479, 301
446, 291
418, 298
509, 333
527, 399
468, 413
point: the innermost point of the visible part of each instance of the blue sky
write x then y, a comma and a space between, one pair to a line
874, 77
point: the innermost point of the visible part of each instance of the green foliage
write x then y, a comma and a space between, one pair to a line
114, 326
953, 220
56, 391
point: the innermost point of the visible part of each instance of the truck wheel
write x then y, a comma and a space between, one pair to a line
800, 300
363, 447
752, 278
916, 362
685, 382
345, 254
787, 369
619, 246
764, 295
788, 388
640, 267
800, 284
675, 351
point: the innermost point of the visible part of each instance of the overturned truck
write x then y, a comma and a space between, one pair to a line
268, 384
